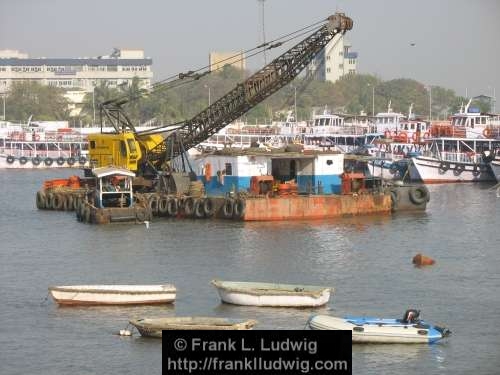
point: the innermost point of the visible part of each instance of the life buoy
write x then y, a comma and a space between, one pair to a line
228, 208
427, 135
41, 200
172, 207
48, 161
59, 138
10, 159
414, 137
37, 137
71, 160
239, 208
198, 209
403, 136
163, 205
208, 172
82, 160
60, 160
23, 160
387, 134
36, 160
189, 203
487, 133
209, 207
419, 194
459, 168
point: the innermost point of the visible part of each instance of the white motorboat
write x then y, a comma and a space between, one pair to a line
268, 294
409, 330
113, 294
153, 327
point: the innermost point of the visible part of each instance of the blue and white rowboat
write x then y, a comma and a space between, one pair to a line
376, 330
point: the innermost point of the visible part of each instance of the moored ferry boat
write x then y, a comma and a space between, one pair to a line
452, 159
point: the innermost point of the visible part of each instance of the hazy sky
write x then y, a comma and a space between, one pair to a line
456, 41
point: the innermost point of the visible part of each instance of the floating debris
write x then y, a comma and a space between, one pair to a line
422, 260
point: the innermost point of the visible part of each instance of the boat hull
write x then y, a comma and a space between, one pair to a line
431, 170
315, 207
379, 331
495, 168
154, 327
117, 295
272, 295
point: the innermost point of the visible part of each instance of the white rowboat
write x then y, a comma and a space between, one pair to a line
153, 327
267, 294
113, 294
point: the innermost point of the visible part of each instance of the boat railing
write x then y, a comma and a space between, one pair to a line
460, 157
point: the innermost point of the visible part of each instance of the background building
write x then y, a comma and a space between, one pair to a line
335, 61
76, 73
217, 60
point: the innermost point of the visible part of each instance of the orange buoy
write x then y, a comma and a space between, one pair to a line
422, 260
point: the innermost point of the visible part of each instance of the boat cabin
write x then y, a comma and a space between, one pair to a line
228, 172
113, 187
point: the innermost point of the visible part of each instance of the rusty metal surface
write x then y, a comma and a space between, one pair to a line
315, 207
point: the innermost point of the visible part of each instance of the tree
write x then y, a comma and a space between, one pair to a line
44, 103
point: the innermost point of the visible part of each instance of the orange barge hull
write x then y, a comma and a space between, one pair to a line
315, 207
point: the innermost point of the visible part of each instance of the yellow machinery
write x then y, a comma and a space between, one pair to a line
125, 150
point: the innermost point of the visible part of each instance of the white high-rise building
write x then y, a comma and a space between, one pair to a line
115, 69
335, 61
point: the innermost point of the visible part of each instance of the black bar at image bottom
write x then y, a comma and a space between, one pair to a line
257, 352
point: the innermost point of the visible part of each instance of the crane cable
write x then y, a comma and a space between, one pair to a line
163, 84
178, 124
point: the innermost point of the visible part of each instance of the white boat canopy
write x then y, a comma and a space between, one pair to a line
112, 170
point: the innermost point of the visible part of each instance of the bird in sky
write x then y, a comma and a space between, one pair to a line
412, 44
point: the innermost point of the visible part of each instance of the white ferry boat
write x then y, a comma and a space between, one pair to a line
45, 144
38, 145
459, 151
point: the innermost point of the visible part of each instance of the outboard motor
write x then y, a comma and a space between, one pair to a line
445, 332
411, 316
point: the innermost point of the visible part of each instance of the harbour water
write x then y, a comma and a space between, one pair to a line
366, 259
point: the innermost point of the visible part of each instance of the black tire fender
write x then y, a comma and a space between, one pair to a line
48, 161
228, 208
163, 205
41, 200
419, 194
209, 207
23, 160
199, 212
189, 204
172, 207
10, 159
36, 160
395, 197
444, 166
153, 204
239, 208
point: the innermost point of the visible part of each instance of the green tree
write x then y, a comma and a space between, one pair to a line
44, 103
